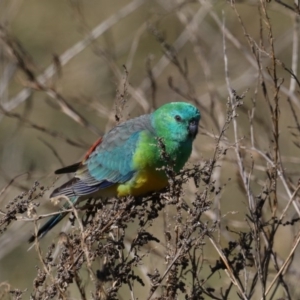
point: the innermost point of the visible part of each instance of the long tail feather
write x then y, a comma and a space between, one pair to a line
51, 223
47, 226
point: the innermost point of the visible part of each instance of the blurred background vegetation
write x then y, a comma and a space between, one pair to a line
44, 128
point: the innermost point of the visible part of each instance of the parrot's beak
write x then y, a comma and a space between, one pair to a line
193, 128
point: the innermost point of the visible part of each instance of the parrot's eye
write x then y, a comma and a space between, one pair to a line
178, 118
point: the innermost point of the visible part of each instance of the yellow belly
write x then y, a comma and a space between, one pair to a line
143, 183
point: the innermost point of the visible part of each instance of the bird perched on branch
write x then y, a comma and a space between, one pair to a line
128, 159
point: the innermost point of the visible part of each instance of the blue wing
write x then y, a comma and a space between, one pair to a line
111, 161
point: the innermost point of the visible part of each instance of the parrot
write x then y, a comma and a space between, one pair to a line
128, 159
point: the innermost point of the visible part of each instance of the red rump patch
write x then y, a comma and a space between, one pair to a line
91, 150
